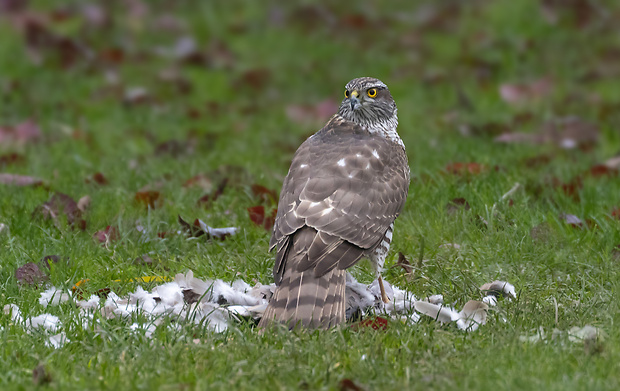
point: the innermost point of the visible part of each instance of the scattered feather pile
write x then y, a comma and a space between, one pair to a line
218, 304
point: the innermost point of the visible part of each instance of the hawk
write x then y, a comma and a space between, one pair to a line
346, 185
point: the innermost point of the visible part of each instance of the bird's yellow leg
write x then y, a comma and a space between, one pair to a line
384, 296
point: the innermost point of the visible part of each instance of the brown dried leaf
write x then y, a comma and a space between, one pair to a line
40, 375
542, 233
206, 200
11, 158
60, 204
199, 228
466, 168
457, 204
22, 133
264, 194
19, 180
9, 6
194, 230
406, 265
255, 79
150, 198
257, 215
42, 42
50, 259
519, 93
600, 170
97, 178
109, 234
201, 180
144, 260
30, 274
566, 132
348, 385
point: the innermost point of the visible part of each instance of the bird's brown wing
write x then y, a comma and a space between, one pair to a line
344, 189
349, 186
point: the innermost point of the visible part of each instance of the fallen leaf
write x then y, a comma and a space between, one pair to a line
571, 188
194, 230
376, 323
109, 234
20, 180
264, 194
60, 204
11, 158
175, 148
42, 43
406, 265
537, 161
542, 232
257, 215
206, 200
255, 79
150, 198
601, 170
465, 168
566, 132
41, 375
30, 274
22, 133
199, 228
97, 178
9, 6
457, 204
143, 260
348, 385
520, 93
48, 260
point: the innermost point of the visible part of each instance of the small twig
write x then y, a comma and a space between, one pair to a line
509, 192
555, 304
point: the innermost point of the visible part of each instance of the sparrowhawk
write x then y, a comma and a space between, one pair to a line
346, 185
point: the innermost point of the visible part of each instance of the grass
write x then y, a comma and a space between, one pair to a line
308, 57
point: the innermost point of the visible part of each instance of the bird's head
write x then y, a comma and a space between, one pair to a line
367, 101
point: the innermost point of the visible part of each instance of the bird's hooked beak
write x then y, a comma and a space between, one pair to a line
355, 103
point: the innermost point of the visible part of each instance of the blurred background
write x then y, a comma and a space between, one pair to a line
147, 96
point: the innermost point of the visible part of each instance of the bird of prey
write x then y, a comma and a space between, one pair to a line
346, 185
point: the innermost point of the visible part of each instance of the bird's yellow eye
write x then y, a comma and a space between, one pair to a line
372, 92
347, 93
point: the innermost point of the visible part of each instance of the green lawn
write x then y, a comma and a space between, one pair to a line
114, 92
